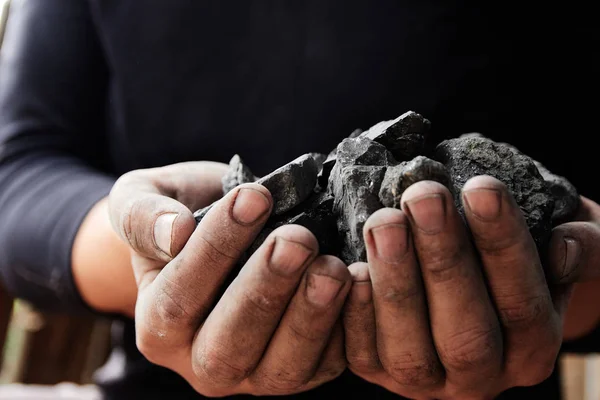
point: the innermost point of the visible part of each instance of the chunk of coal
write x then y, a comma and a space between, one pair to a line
319, 159
355, 133
319, 218
292, 183
356, 194
470, 156
237, 174
362, 151
327, 165
399, 177
359, 151
201, 213
565, 195
404, 136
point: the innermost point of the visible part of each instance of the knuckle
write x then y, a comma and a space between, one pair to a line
523, 312
493, 242
218, 250
215, 366
172, 307
363, 364
307, 333
331, 370
158, 326
539, 363
148, 346
260, 305
536, 375
442, 264
472, 349
281, 382
412, 372
397, 294
150, 342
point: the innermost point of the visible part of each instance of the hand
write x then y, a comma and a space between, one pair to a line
434, 316
276, 328
575, 253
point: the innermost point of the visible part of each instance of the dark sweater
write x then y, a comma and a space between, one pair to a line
92, 89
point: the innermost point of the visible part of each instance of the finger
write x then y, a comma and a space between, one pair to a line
150, 209
333, 359
359, 323
516, 279
172, 303
295, 350
238, 329
463, 321
574, 253
404, 341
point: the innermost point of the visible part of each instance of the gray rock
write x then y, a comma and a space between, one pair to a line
319, 159
362, 151
316, 214
565, 195
356, 197
358, 151
201, 213
470, 156
327, 165
355, 133
404, 136
291, 184
237, 174
399, 177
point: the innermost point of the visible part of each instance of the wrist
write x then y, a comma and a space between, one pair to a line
101, 265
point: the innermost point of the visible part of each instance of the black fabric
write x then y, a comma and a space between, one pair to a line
92, 89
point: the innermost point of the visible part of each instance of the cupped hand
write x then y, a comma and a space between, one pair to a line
276, 328
441, 311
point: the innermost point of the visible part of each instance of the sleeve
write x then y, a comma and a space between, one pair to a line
53, 81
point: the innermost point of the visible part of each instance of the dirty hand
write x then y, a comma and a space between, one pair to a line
435, 314
276, 328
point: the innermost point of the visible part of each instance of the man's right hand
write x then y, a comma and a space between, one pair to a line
276, 328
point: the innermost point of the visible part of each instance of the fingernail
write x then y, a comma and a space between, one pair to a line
288, 257
485, 204
428, 212
391, 242
572, 255
361, 292
250, 205
322, 289
163, 231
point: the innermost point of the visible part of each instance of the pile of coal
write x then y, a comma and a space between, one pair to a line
333, 195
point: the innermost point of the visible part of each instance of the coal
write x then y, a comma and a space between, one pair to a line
470, 156
237, 174
564, 194
404, 136
333, 195
400, 177
291, 184
356, 194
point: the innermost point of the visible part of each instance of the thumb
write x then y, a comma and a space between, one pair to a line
154, 225
149, 209
574, 253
